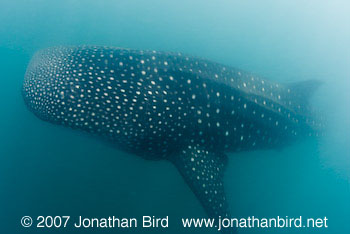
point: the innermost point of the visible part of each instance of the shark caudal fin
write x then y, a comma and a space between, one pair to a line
203, 171
302, 91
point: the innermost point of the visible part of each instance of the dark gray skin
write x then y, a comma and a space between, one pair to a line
157, 105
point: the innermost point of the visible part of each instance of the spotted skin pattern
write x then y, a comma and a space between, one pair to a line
159, 105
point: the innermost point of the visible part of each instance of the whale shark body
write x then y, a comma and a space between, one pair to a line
170, 106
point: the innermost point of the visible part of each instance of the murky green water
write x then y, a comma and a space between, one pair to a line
49, 170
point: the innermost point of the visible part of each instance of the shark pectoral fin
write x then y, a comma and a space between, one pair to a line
203, 171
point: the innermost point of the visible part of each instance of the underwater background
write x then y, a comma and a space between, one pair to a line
49, 170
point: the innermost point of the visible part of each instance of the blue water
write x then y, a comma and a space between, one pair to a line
48, 170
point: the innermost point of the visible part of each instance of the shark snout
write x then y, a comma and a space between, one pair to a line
42, 82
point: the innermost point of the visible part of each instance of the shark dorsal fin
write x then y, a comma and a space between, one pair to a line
303, 90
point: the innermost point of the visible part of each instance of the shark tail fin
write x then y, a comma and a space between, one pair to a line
302, 91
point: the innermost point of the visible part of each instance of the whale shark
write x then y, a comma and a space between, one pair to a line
169, 106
